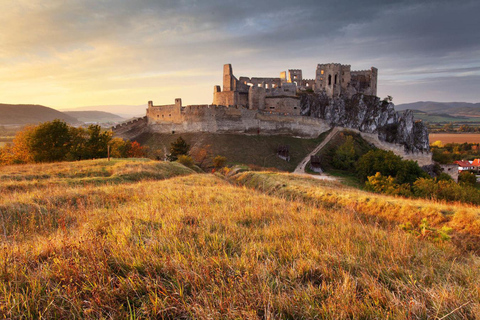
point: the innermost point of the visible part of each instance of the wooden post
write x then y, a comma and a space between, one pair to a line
108, 152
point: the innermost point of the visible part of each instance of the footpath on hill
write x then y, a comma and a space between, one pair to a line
300, 169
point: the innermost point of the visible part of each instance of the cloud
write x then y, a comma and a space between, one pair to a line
78, 49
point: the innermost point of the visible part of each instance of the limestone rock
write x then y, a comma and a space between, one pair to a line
368, 114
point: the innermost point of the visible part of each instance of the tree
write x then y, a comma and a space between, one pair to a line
467, 178
200, 154
388, 164
18, 152
49, 141
345, 155
135, 150
177, 148
219, 161
97, 143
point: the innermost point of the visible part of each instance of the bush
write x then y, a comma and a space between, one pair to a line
387, 185
219, 161
467, 178
446, 190
187, 161
388, 164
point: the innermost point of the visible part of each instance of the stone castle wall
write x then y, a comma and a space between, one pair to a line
218, 119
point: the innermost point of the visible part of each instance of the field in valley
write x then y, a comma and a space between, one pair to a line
144, 239
455, 137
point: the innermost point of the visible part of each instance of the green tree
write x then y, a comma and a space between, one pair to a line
388, 164
467, 178
49, 141
177, 148
97, 143
345, 155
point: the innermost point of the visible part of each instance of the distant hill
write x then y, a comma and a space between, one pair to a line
124, 111
464, 109
95, 116
22, 114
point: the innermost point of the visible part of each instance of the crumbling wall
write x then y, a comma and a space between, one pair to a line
282, 104
165, 113
332, 78
217, 119
365, 81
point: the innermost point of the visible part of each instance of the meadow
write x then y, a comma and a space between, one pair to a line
455, 137
144, 239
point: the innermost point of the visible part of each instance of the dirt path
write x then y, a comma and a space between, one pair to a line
300, 169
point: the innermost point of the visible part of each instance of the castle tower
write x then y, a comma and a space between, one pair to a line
228, 79
294, 75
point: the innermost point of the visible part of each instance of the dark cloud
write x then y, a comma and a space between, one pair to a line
110, 39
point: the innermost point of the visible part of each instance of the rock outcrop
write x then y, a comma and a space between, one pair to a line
371, 115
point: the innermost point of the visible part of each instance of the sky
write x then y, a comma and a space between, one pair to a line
72, 53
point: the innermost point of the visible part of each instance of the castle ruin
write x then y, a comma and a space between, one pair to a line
280, 94
291, 105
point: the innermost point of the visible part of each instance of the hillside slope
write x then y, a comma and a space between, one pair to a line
196, 246
94, 116
124, 111
449, 108
22, 114
259, 150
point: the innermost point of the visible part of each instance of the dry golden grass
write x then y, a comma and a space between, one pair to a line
463, 219
198, 247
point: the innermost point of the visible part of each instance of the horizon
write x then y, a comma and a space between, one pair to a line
85, 54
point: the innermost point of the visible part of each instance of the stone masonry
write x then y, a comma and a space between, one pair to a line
289, 104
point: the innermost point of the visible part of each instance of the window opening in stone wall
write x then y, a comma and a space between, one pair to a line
321, 72
335, 79
329, 79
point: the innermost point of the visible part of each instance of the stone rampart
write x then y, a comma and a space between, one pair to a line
219, 119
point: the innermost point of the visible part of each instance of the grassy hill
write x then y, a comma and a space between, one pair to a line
94, 116
144, 239
258, 150
21, 114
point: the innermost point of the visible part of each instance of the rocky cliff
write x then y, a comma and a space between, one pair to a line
371, 115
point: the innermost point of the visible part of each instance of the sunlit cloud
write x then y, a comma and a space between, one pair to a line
85, 52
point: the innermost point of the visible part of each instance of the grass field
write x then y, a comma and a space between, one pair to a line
455, 137
144, 239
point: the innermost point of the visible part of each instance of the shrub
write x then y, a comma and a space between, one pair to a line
219, 161
388, 164
387, 185
187, 161
467, 178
